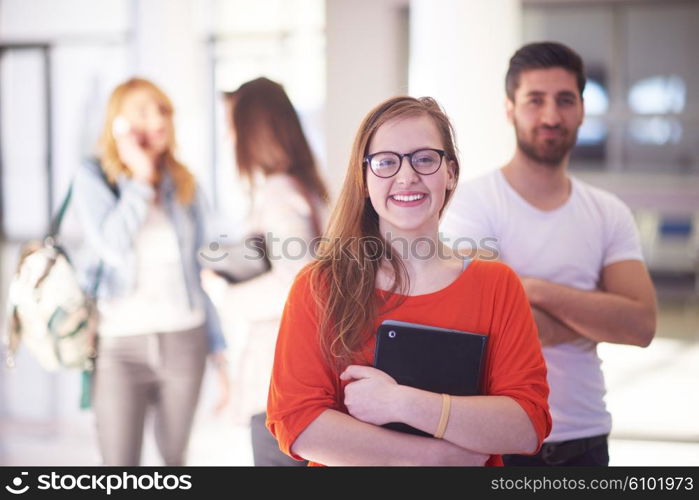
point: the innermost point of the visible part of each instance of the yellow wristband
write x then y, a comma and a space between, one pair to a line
444, 417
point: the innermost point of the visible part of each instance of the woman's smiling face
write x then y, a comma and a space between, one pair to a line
409, 203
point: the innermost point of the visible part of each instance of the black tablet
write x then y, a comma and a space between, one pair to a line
431, 358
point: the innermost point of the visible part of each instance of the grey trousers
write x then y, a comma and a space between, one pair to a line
265, 450
159, 372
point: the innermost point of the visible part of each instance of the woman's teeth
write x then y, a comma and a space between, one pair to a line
411, 197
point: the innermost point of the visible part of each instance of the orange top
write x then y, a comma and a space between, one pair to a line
486, 298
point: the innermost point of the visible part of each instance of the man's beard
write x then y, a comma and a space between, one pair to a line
549, 152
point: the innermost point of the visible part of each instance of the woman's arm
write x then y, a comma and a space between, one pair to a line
305, 399
335, 438
303, 410
204, 236
486, 424
489, 424
110, 223
512, 416
285, 220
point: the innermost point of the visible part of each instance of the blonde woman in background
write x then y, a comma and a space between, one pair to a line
143, 220
289, 203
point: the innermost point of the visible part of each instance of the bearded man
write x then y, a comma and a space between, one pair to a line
575, 247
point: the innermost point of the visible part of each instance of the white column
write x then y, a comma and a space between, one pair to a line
365, 44
459, 51
169, 49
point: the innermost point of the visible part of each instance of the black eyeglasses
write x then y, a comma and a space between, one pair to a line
386, 164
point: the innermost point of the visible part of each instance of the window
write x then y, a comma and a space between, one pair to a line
641, 64
283, 40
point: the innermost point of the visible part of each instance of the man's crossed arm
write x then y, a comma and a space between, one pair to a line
622, 311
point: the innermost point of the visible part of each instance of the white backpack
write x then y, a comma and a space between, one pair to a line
47, 309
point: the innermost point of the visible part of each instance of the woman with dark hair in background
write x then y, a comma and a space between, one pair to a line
288, 208
143, 219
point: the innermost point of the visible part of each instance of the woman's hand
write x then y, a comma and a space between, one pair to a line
135, 157
373, 396
224, 381
214, 285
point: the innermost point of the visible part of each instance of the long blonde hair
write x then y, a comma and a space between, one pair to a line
112, 165
343, 279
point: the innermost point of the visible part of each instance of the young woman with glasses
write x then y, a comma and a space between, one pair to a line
326, 402
144, 221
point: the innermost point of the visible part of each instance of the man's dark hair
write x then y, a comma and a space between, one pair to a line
543, 55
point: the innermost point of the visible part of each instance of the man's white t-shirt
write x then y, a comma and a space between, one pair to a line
569, 246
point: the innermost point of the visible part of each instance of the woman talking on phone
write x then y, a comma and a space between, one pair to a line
381, 258
143, 221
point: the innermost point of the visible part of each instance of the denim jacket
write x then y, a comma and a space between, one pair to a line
111, 223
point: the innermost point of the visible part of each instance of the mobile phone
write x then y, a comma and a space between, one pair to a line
120, 126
